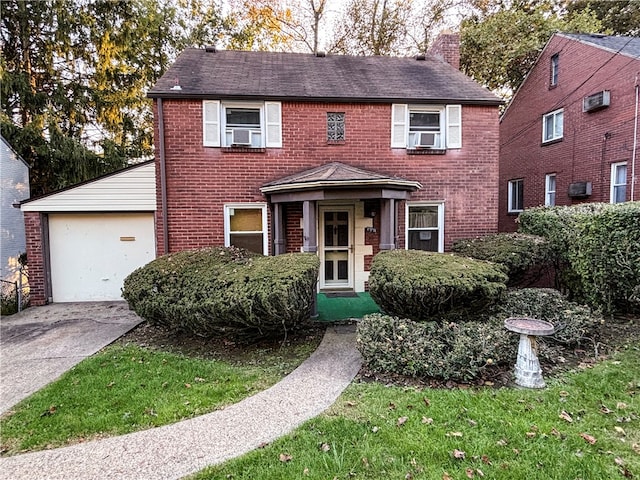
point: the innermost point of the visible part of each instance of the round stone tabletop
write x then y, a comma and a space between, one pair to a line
529, 326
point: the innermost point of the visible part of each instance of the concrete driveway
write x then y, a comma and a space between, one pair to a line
41, 343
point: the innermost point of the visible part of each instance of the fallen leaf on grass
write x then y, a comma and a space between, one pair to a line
351, 404
325, 447
446, 476
604, 409
305, 471
459, 454
621, 406
111, 384
402, 421
501, 443
187, 385
620, 430
530, 434
285, 457
469, 472
427, 402
588, 438
454, 434
565, 416
636, 448
48, 413
426, 420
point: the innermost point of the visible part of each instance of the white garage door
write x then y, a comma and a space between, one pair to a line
91, 254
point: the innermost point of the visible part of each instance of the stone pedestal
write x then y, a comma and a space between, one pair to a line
527, 371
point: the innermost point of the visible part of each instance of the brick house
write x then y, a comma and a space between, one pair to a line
570, 133
336, 155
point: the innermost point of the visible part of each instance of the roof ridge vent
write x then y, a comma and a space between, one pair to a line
210, 49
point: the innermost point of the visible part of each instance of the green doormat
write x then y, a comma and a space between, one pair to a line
340, 308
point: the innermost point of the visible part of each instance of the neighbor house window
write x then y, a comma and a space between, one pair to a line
245, 226
425, 227
416, 127
553, 126
550, 189
619, 182
555, 62
241, 124
335, 126
516, 195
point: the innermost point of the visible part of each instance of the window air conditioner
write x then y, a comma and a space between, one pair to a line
580, 189
241, 136
426, 140
596, 101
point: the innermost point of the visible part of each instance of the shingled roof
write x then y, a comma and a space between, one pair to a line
629, 46
232, 74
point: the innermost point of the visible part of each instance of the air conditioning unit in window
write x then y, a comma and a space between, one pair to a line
580, 189
596, 101
426, 140
241, 136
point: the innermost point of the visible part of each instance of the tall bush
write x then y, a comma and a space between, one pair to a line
225, 292
419, 285
597, 250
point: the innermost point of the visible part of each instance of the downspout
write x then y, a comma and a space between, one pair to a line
635, 144
163, 179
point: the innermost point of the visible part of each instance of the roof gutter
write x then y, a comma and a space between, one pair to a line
163, 178
285, 98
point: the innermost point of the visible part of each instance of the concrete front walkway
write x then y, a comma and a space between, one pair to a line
39, 344
173, 451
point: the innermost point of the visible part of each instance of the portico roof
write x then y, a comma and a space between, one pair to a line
336, 175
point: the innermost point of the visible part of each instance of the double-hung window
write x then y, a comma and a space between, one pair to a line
425, 227
245, 226
553, 126
421, 127
241, 124
516, 195
550, 189
619, 182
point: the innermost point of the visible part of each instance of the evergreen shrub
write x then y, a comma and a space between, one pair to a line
421, 285
523, 257
463, 350
225, 292
597, 250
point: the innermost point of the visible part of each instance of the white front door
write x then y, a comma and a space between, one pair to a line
336, 247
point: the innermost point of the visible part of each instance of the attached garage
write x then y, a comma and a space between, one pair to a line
94, 234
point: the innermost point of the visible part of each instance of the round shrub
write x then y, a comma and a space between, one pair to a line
573, 323
225, 292
520, 254
421, 285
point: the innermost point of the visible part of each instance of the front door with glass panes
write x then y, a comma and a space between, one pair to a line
336, 249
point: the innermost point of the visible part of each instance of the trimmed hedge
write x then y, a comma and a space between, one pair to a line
462, 351
597, 251
522, 256
420, 285
225, 292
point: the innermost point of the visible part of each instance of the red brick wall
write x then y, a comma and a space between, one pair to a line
200, 180
591, 141
293, 217
35, 256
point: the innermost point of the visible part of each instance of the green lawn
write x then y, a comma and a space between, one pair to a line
126, 388
584, 426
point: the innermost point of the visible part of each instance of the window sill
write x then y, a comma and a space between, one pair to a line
514, 212
243, 150
335, 142
426, 151
552, 142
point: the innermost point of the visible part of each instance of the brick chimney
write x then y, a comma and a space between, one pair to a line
447, 47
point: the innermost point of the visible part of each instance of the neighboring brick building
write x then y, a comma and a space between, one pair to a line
287, 152
570, 133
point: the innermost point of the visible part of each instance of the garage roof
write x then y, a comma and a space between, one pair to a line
132, 189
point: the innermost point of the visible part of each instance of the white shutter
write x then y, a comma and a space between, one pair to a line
211, 123
399, 125
454, 126
273, 124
